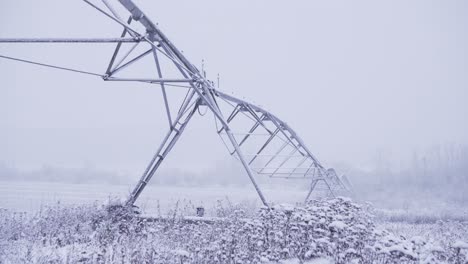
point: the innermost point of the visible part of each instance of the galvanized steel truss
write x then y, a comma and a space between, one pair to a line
263, 143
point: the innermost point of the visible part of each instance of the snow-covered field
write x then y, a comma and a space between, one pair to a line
30, 196
61, 223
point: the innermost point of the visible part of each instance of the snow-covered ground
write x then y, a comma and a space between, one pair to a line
30, 196
318, 232
436, 240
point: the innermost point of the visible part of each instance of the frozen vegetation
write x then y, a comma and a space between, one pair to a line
322, 231
417, 215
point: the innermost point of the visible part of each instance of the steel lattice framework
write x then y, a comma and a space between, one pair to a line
262, 142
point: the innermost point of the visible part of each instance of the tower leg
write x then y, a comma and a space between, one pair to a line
329, 188
167, 144
207, 97
245, 164
312, 187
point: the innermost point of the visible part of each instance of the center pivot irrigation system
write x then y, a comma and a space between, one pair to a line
263, 143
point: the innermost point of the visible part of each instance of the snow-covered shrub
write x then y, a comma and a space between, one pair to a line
336, 229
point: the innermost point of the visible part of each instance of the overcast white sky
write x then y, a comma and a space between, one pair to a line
352, 78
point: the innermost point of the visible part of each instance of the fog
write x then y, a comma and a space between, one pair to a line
376, 89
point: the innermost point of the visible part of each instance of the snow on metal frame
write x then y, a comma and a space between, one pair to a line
282, 162
294, 140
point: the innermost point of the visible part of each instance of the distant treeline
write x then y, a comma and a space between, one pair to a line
440, 172
436, 167
214, 176
439, 165
65, 175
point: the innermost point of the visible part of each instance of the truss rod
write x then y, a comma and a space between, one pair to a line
269, 155
234, 113
119, 68
163, 88
312, 187
314, 184
289, 177
286, 173
300, 164
251, 131
69, 40
282, 168
259, 119
277, 152
111, 17
264, 145
286, 176
231, 116
51, 66
149, 80
125, 56
231, 104
186, 95
283, 128
117, 48
181, 86
286, 159
313, 166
